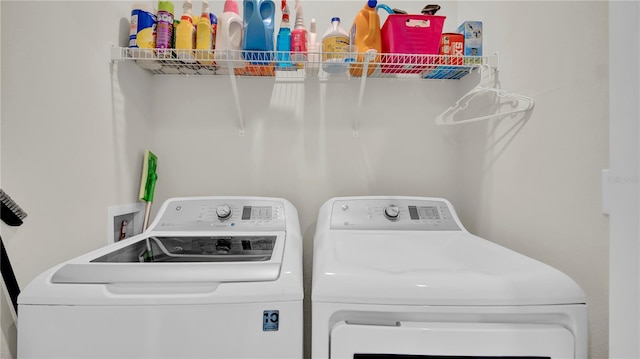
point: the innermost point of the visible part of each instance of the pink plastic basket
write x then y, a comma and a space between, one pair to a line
403, 35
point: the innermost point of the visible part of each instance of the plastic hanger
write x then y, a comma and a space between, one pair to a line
523, 103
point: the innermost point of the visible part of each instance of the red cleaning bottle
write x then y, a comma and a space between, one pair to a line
299, 37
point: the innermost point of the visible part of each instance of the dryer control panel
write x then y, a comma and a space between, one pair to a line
221, 214
393, 214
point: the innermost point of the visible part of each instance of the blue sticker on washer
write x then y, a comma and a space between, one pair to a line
270, 320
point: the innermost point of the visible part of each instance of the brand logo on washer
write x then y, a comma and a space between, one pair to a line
270, 320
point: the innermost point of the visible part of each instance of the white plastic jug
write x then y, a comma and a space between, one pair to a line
229, 37
335, 44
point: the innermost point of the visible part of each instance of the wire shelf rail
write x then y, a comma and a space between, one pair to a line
299, 65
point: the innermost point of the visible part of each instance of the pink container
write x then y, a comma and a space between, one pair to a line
404, 35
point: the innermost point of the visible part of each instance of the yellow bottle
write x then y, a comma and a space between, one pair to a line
204, 37
186, 34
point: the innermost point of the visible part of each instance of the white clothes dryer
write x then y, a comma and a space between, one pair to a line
401, 278
212, 277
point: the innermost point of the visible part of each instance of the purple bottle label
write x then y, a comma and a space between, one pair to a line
164, 30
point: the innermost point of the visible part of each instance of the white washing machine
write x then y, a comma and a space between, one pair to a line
401, 278
212, 277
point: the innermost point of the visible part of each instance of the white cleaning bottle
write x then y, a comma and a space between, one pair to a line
313, 65
229, 36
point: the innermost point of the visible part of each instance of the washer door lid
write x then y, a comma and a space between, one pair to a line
126, 263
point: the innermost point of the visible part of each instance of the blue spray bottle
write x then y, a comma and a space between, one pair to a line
283, 42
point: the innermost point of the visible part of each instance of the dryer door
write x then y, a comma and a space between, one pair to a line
408, 340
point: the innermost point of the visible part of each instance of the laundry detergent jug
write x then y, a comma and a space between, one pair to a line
257, 43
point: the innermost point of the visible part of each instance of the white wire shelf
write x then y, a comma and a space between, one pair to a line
280, 64
285, 66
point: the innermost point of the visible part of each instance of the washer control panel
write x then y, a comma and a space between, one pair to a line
393, 214
221, 214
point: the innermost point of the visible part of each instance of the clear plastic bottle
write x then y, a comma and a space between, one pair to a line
335, 43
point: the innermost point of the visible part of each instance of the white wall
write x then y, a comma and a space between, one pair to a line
623, 180
535, 186
531, 184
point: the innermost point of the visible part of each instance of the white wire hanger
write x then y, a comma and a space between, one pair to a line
519, 103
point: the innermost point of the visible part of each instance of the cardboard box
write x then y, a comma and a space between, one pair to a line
451, 49
472, 31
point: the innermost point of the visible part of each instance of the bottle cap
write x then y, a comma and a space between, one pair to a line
372, 3
230, 6
299, 16
285, 11
312, 26
335, 19
165, 6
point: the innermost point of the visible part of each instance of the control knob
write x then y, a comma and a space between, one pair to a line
392, 212
223, 212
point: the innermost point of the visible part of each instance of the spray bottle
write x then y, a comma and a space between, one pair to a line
299, 37
203, 37
283, 41
186, 34
313, 66
229, 36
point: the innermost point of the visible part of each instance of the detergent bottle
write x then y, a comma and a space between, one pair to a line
299, 37
229, 36
203, 37
335, 43
365, 36
257, 42
283, 41
186, 34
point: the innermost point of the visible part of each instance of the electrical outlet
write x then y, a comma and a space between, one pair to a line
124, 221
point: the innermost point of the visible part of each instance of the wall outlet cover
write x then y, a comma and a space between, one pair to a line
124, 221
